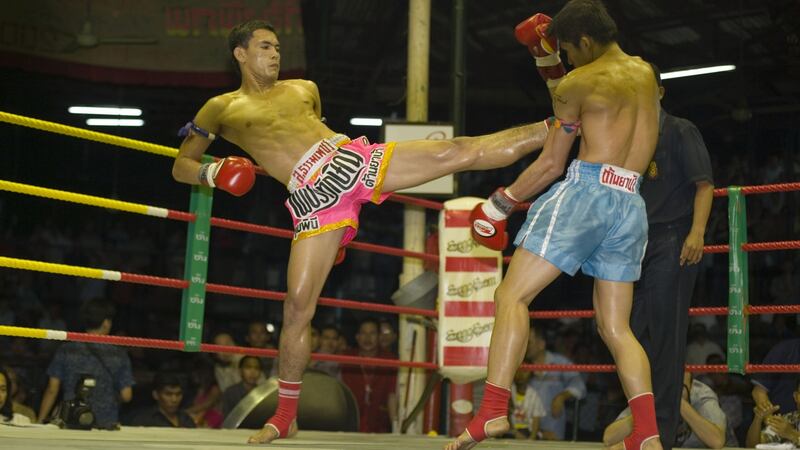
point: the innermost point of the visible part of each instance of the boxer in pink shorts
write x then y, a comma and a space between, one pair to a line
331, 182
279, 124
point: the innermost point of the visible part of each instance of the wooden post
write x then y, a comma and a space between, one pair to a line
419, 24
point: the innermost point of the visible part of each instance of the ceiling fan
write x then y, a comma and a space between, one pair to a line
86, 38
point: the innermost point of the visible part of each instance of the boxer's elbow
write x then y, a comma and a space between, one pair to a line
181, 170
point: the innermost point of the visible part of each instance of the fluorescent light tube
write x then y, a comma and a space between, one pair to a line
366, 121
698, 71
105, 111
102, 122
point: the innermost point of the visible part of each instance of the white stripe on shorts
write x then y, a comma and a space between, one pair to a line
539, 212
555, 213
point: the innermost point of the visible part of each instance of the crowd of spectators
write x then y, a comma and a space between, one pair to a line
159, 387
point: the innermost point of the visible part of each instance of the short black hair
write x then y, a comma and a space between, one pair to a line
657, 73
330, 327
166, 379
95, 311
254, 358
583, 18
371, 320
241, 34
6, 409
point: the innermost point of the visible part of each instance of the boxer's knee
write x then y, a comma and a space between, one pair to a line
505, 297
298, 308
613, 335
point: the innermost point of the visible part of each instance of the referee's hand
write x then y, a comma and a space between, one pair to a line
692, 250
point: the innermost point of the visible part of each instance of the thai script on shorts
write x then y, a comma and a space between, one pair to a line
336, 177
322, 150
610, 178
371, 175
305, 225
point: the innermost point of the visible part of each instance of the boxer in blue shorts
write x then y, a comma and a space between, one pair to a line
594, 219
602, 228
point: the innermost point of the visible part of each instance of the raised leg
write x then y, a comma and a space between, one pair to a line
416, 162
527, 275
310, 263
612, 306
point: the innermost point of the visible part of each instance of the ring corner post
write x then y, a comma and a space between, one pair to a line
738, 292
196, 268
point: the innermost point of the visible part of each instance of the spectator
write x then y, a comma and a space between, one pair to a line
373, 387
700, 347
387, 337
729, 389
553, 388
167, 412
777, 388
259, 336
314, 336
107, 364
328, 343
17, 395
785, 286
526, 407
771, 428
703, 423
205, 406
250, 371
226, 365
7, 414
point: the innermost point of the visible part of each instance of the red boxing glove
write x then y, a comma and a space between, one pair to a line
532, 32
489, 220
232, 174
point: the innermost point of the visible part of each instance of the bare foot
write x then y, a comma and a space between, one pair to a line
269, 433
650, 444
495, 427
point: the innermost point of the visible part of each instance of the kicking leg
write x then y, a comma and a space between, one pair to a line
310, 262
527, 275
612, 306
416, 162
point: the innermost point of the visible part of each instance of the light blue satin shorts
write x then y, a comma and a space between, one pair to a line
594, 220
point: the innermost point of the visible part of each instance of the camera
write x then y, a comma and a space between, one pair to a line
76, 414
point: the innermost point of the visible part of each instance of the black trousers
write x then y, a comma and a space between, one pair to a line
660, 320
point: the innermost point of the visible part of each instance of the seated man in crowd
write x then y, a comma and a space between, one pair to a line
328, 344
777, 388
553, 388
259, 336
167, 412
107, 364
526, 407
251, 373
771, 428
703, 424
373, 387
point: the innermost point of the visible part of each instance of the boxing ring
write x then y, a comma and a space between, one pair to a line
194, 286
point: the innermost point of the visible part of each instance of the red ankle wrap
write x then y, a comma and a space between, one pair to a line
288, 397
494, 405
643, 411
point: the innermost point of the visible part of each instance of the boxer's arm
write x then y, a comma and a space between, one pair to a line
314, 90
551, 162
187, 164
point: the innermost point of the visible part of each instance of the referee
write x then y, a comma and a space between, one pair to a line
678, 190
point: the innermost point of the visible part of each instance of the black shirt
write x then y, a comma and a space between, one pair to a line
153, 417
680, 160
